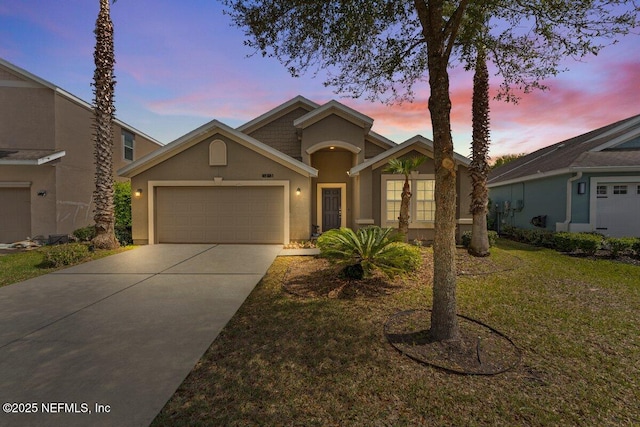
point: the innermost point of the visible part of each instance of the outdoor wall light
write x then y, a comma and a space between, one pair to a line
582, 187
298, 191
138, 192
42, 193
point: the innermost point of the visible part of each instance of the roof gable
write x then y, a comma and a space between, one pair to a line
418, 142
277, 112
334, 108
198, 135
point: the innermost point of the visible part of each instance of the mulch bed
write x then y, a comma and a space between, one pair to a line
481, 350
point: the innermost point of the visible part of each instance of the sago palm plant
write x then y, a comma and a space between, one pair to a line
371, 248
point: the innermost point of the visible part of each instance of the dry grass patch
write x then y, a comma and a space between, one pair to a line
314, 360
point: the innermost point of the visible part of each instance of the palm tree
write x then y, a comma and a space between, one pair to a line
479, 167
404, 167
104, 111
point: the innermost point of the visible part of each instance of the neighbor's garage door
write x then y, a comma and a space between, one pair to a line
15, 214
618, 209
220, 214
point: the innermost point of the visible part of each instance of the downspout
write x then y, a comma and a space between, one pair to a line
570, 182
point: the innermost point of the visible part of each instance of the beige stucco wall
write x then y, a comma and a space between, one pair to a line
243, 163
27, 118
332, 128
371, 201
39, 118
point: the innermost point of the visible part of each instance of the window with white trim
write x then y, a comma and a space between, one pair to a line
425, 199
394, 198
127, 145
422, 204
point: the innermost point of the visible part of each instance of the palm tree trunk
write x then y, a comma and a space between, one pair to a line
479, 168
403, 219
104, 111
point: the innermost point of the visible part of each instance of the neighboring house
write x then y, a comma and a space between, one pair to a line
587, 183
277, 178
46, 156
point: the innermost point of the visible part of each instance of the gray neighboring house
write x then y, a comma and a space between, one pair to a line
587, 183
46, 156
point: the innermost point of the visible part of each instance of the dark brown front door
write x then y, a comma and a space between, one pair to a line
331, 208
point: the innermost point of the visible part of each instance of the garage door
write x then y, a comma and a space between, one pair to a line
220, 214
617, 208
15, 214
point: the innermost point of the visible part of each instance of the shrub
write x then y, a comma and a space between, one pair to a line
123, 234
636, 247
587, 243
85, 234
563, 242
373, 248
465, 239
493, 238
62, 255
122, 203
619, 244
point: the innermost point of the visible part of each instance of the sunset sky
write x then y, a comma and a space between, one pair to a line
180, 64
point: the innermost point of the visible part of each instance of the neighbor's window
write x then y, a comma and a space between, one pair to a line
127, 142
619, 189
638, 189
601, 190
425, 200
394, 197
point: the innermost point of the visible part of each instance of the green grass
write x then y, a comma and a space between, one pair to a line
285, 360
20, 266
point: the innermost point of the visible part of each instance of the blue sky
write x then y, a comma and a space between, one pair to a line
181, 64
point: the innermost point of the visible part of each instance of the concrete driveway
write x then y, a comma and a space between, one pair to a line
109, 341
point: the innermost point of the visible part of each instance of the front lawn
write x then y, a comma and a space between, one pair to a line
322, 359
23, 265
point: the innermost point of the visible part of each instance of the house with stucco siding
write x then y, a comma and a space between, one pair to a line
46, 156
299, 168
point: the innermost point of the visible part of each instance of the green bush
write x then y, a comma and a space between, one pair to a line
620, 244
85, 234
587, 243
564, 242
493, 238
62, 255
465, 239
122, 203
123, 234
636, 247
373, 248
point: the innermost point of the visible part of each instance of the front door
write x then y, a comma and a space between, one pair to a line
331, 208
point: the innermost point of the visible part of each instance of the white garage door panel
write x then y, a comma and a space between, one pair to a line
15, 214
220, 214
618, 215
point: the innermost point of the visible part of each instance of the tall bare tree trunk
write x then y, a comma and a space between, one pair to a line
479, 168
104, 110
444, 320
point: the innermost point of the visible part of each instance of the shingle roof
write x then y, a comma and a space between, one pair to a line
582, 151
15, 156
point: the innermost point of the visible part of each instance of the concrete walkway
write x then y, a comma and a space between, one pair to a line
107, 343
